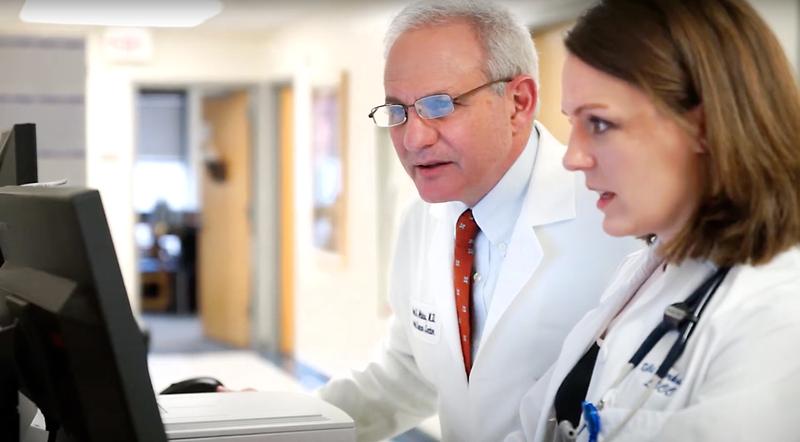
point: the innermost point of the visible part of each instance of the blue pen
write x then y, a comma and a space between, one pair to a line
591, 417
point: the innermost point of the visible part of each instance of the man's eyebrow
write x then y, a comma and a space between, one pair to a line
392, 100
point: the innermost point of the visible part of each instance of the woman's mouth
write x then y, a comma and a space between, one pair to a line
605, 199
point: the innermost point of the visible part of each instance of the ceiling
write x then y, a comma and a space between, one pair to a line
264, 16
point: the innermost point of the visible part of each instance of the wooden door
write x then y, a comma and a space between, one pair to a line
224, 258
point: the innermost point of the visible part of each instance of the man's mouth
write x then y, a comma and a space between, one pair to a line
431, 169
432, 164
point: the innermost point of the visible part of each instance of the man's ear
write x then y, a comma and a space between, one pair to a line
697, 120
524, 94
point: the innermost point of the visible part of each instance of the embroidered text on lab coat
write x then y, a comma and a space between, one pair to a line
425, 322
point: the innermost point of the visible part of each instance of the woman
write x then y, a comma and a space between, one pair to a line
685, 120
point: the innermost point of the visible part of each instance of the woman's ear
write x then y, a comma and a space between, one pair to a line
697, 119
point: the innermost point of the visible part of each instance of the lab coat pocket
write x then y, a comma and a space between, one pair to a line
645, 425
424, 322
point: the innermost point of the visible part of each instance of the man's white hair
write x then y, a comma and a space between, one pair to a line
507, 44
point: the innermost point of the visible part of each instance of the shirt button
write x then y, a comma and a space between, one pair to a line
476, 276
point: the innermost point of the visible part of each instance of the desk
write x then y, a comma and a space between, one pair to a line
253, 416
243, 417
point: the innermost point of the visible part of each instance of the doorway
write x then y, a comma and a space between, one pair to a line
165, 203
198, 254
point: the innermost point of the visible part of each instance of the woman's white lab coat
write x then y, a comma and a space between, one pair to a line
738, 379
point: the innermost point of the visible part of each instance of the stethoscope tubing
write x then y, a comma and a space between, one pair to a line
682, 317
688, 327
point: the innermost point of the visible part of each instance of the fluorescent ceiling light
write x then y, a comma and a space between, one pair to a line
142, 13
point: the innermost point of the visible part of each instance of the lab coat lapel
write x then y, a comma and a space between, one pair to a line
550, 198
440, 258
591, 326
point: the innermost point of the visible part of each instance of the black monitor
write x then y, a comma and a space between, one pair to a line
77, 352
18, 155
18, 159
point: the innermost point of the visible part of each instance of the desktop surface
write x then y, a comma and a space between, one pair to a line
243, 417
253, 416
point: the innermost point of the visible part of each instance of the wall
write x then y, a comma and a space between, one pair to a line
339, 303
783, 16
331, 292
42, 81
180, 57
551, 50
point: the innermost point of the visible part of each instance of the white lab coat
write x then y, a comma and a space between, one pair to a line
738, 379
557, 261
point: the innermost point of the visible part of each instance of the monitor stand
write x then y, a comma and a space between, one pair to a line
9, 386
16, 411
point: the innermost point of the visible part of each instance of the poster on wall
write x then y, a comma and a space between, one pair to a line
328, 138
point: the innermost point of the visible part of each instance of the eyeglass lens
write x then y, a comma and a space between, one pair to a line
434, 106
389, 115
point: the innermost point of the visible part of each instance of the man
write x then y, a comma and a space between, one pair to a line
482, 298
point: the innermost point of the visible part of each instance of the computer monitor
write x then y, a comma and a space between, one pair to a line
78, 353
18, 160
18, 155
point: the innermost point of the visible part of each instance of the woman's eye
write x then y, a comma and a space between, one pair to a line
598, 125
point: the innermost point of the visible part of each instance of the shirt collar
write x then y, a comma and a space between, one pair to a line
497, 212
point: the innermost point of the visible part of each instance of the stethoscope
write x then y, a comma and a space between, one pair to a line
681, 317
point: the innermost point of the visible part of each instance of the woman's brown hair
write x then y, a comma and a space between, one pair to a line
718, 54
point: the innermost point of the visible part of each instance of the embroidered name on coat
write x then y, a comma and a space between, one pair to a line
425, 323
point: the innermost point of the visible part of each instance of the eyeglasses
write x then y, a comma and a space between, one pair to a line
430, 107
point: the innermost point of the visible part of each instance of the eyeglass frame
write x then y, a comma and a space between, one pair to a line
454, 101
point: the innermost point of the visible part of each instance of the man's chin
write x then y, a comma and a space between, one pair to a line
435, 197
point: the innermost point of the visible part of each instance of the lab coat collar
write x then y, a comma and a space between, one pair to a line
631, 275
550, 198
440, 257
551, 190
497, 212
629, 278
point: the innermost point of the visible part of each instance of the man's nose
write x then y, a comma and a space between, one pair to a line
419, 132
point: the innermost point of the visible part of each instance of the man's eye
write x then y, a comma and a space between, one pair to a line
598, 125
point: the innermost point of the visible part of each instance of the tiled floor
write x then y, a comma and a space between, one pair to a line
179, 351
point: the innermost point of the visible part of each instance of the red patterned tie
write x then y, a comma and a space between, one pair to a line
466, 231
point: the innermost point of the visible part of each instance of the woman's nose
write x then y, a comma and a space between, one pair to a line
577, 156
